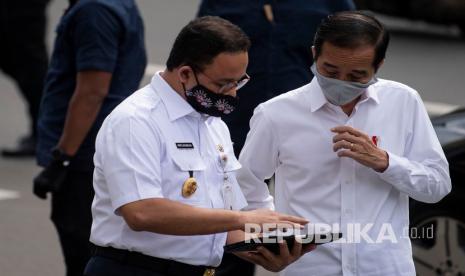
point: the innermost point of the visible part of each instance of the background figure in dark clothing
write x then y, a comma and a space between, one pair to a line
98, 60
282, 34
23, 57
280, 57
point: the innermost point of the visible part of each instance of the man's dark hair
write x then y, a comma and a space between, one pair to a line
200, 41
352, 29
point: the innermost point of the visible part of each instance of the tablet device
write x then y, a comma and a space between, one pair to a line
271, 242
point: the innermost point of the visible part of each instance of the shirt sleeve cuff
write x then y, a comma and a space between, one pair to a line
96, 64
117, 203
395, 170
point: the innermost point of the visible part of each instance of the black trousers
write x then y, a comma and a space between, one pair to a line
101, 266
71, 215
23, 54
111, 261
232, 265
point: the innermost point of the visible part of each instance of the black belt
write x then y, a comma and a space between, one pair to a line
168, 267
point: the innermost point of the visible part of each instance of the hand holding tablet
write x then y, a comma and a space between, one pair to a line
272, 242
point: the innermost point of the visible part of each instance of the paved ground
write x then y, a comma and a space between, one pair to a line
430, 61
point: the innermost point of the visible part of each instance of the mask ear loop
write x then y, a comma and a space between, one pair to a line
184, 88
182, 83
196, 80
195, 76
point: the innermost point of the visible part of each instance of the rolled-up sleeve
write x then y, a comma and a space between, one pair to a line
423, 171
259, 158
131, 161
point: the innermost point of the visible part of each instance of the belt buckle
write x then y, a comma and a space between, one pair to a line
209, 272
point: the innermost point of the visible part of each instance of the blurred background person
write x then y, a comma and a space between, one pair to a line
281, 33
280, 57
98, 59
23, 57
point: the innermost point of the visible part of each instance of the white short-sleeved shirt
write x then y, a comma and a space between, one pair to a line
145, 149
290, 136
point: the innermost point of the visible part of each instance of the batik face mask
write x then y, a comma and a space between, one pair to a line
208, 102
340, 92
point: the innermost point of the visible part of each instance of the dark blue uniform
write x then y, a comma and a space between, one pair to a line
102, 35
280, 56
97, 35
279, 61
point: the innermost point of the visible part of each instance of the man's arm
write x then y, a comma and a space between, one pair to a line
91, 90
423, 171
95, 38
259, 159
164, 216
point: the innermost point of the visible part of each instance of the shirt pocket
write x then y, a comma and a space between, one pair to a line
187, 162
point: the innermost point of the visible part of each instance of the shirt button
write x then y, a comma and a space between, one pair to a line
348, 211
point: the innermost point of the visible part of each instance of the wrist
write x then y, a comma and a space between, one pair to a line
61, 156
240, 219
384, 163
66, 150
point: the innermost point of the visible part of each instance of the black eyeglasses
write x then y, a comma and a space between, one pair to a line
230, 85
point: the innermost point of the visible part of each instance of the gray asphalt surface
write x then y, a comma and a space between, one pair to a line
428, 58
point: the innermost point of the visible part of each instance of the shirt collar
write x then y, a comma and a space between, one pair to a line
372, 93
176, 106
318, 99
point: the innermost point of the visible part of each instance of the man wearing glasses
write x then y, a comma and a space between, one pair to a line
164, 179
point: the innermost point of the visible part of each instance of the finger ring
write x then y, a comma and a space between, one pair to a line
351, 145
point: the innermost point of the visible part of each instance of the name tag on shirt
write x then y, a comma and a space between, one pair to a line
184, 145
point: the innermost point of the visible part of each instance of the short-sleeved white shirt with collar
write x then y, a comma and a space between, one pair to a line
145, 149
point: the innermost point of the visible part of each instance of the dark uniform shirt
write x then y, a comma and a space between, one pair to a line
101, 35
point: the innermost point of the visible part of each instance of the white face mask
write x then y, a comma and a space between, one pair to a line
340, 92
